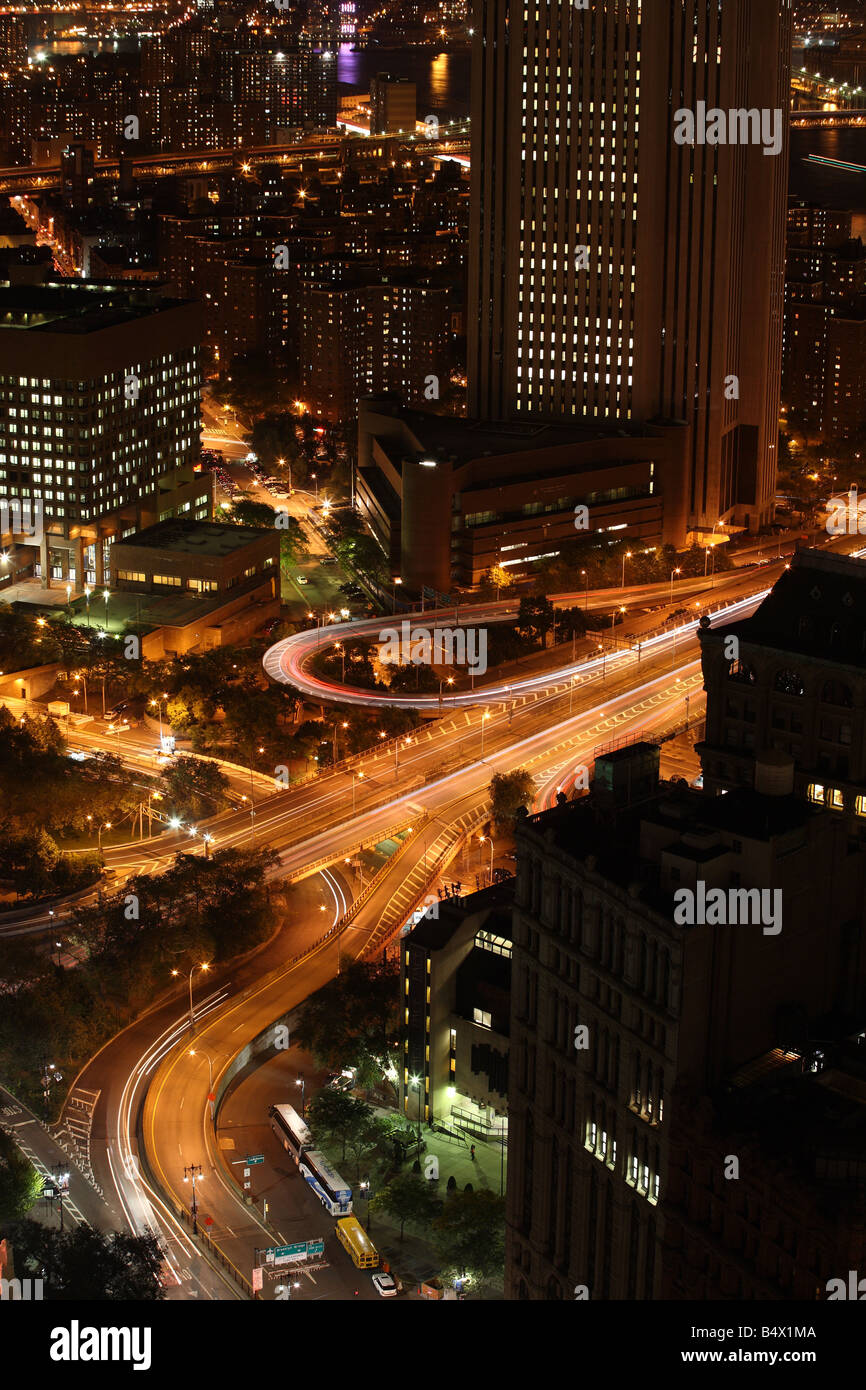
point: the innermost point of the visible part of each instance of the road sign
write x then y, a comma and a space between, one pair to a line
302, 1249
254, 1158
257, 1279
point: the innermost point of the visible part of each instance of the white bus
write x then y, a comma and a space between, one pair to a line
291, 1130
333, 1192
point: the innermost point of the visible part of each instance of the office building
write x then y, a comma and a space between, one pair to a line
455, 983
796, 686
99, 421
450, 499
629, 1025
392, 105
616, 275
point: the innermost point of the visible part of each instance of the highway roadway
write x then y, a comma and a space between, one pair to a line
552, 728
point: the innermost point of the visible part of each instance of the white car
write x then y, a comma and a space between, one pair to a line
302, 579
384, 1285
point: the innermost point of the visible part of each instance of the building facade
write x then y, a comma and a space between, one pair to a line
616, 274
99, 421
624, 1019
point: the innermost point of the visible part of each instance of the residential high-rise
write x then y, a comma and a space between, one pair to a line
617, 275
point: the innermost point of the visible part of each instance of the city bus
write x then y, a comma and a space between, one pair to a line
333, 1192
291, 1130
353, 1237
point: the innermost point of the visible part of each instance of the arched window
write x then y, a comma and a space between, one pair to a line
789, 682
837, 693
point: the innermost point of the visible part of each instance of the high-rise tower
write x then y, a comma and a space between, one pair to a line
617, 275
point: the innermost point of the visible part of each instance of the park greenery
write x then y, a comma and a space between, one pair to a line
353, 1021
20, 1183
509, 791
128, 945
85, 1264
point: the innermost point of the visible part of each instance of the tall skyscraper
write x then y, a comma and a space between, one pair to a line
618, 275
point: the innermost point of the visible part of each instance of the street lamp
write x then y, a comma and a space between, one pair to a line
483, 839
626, 556
106, 596
356, 777
415, 1082
444, 681
87, 592
207, 841
364, 1186
303, 1085
585, 592
192, 1174
342, 650
193, 1052
106, 826
396, 580
484, 718
159, 703
68, 594
202, 966
673, 572
83, 678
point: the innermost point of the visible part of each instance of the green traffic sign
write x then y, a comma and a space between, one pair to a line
254, 1158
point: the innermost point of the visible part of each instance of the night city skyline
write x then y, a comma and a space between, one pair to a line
433, 668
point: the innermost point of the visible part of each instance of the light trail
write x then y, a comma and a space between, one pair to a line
286, 660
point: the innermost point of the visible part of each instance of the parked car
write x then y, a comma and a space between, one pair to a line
302, 579
384, 1285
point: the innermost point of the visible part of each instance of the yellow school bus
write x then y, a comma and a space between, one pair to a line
351, 1234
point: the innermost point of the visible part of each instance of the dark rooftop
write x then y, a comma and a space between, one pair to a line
816, 609
197, 537
76, 309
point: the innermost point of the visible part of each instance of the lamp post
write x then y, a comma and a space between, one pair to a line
303, 1085
87, 592
193, 1052
445, 681
396, 580
342, 650
61, 1185
484, 718
69, 596
673, 572
571, 693
364, 1186
106, 826
193, 968
585, 591
626, 556
83, 678
192, 1173
415, 1082
106, 596
356, 777
484, 839
159, 703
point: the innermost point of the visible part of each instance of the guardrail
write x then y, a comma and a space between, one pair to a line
304, 870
